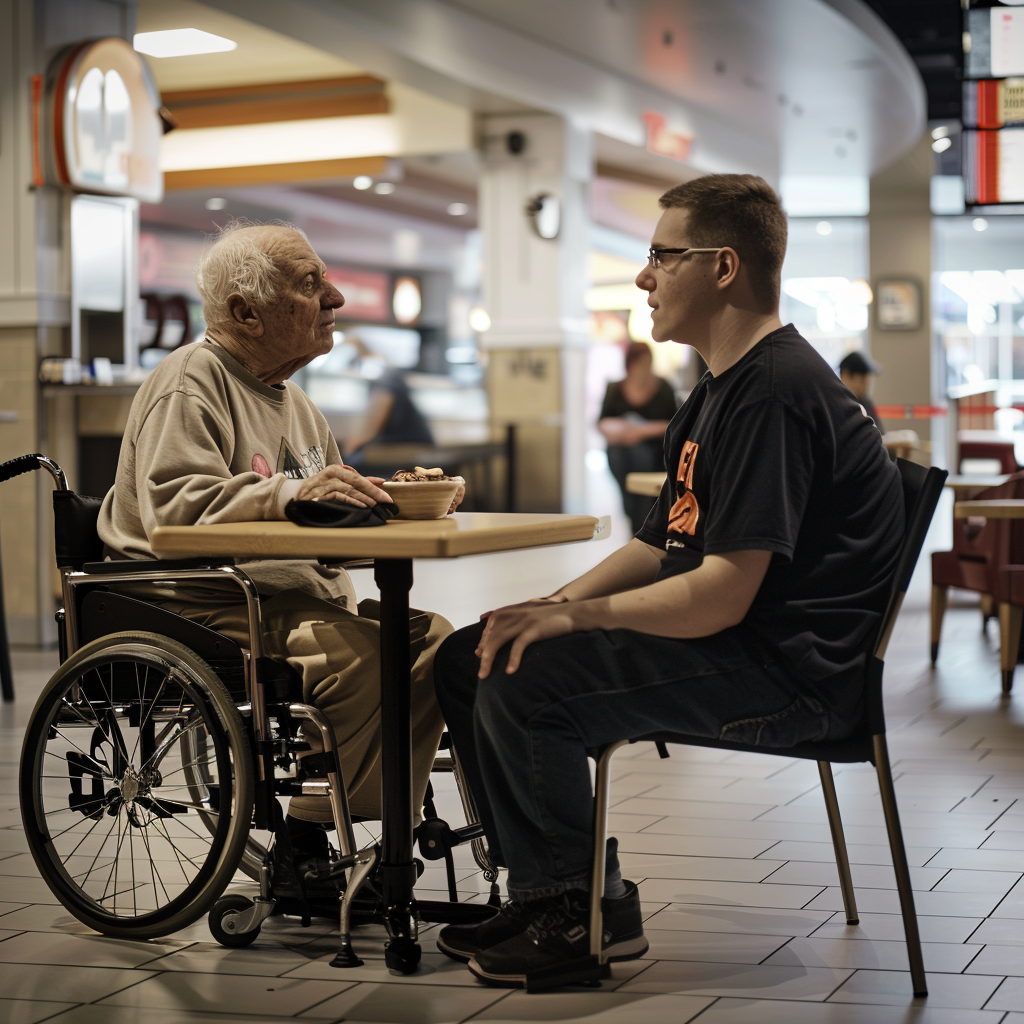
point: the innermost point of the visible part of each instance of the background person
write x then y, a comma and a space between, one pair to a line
634, 416
217, 434
856, 371
391, 415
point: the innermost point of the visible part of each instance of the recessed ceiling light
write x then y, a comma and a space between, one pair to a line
181, 42
823, 227
979, 224
458, 209
362, 182
216, 203
383, 188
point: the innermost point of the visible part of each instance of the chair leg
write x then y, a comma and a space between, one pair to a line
988, 606
940, 597
602, 784
899, 863
835, 823
1011, 618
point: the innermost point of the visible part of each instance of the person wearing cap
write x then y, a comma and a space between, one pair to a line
856, 371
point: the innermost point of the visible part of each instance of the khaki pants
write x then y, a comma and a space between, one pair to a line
337, 653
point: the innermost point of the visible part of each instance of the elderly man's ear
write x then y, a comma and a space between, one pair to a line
245, 317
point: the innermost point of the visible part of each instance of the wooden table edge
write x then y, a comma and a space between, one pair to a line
455, 544
993, 508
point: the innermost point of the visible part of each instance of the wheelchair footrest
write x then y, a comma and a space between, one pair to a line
442, 912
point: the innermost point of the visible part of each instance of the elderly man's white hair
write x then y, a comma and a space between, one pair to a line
237, 262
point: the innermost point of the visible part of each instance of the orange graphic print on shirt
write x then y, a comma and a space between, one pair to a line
684, 514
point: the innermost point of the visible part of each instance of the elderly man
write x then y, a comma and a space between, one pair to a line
216, 434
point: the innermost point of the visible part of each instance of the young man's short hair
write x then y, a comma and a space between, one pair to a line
741, 211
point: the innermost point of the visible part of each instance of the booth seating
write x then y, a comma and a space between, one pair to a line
981, 547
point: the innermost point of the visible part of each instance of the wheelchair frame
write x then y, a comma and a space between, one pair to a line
355, 862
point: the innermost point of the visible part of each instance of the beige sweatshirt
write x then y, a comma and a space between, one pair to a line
207, 442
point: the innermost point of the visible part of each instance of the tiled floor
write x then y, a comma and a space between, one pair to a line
731, 852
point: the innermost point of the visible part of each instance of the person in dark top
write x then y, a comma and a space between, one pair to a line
856, 371
634, 415
744, 609
391, 415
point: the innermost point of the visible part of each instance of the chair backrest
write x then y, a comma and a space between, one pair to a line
75, 537
922, 489
74, 515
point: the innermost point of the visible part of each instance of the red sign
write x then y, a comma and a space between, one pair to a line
663, 142
367, 293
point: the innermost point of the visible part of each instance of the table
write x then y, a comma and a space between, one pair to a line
963, 485
452, 458
393, 547
995, 508
645, 483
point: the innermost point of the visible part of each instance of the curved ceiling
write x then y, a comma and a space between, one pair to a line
776, 86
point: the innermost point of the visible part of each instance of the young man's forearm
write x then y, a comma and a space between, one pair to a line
707, 600
635, 564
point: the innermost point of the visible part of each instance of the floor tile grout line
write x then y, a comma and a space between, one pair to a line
994, 993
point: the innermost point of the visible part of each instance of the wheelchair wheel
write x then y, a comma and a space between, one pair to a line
110, 820
195, 746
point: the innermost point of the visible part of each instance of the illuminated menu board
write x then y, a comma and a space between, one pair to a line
993, 103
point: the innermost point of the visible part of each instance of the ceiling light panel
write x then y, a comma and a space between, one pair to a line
181, 42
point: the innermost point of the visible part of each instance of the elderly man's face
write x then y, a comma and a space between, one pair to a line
299, 323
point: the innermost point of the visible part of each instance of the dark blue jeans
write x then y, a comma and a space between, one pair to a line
523, 739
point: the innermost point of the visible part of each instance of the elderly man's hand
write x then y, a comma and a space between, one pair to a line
342, 483
522, 624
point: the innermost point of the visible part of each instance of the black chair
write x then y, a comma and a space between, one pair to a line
921, 491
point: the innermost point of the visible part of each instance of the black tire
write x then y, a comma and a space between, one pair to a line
109, 698
233, 904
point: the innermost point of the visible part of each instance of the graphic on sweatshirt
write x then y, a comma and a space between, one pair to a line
685, 512
295, 467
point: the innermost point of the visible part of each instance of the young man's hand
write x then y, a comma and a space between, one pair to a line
522, 624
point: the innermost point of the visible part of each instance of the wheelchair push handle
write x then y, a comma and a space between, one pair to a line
27, 463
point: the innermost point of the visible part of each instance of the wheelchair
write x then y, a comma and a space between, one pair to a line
160, 746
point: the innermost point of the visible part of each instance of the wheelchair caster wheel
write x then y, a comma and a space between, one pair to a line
403, 957
224, 920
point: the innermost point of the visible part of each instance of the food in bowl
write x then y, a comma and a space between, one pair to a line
425, 493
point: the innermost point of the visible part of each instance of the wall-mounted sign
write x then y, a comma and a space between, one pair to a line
660, 140
898, 305
105, 125
367, 294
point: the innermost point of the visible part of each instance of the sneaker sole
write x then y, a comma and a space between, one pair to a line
626, 949
454, 954
578, 972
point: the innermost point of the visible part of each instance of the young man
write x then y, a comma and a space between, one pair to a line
743, 609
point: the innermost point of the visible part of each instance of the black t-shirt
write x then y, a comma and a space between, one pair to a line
405, 422
662, 406
775, 454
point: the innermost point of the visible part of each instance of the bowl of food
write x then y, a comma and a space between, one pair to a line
425, 493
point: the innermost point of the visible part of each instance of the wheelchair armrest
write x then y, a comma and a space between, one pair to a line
153, 565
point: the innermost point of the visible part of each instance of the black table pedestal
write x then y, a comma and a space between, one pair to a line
398, 872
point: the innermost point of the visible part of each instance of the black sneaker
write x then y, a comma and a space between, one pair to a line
288, 877
463, 941
553, 949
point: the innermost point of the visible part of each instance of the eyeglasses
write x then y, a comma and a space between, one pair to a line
654, 255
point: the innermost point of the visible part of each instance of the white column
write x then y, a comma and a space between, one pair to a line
534, 293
